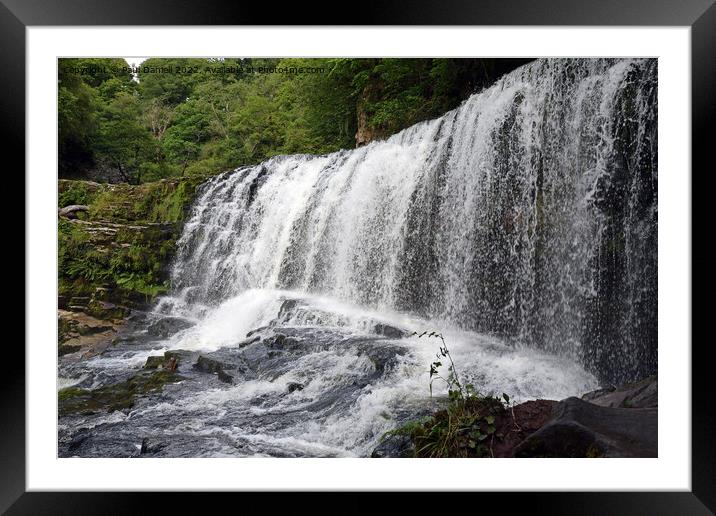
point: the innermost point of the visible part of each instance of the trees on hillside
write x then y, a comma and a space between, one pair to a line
202, 116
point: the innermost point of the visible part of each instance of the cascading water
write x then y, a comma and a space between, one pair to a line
522, 225
529, 212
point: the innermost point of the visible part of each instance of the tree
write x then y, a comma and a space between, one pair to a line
123, 142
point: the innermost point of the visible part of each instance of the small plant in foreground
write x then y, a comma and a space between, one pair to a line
467, 427
455, 389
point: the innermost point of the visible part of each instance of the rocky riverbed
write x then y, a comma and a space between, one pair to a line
304, 380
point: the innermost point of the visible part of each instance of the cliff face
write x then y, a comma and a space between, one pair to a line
113, 255
366, 131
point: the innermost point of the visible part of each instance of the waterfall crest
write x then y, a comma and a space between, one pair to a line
529, 212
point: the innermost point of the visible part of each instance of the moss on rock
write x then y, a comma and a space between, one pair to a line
118, 396
120, 252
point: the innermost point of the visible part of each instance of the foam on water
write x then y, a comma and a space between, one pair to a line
521, 226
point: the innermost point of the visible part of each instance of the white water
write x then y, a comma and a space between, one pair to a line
521, 225
522, 213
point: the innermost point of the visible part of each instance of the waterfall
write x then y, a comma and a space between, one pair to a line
528, 213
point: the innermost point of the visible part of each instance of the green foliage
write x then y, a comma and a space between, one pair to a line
77, 193
179, 118
70, 392
83, 85
467, 427
122, 141
126, 242
455, 388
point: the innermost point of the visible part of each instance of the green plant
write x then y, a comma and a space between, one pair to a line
467, 426
76, 194
453, 379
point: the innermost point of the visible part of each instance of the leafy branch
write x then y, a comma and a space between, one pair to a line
453, 379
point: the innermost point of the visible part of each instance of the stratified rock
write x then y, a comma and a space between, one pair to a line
79, 331
106, 311
583, 429
394, 446
65, 349
641, 394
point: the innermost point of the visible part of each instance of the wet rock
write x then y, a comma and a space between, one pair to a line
78, 303
180, 355
137, 316
294, 386
210, 365
516, 423
78, 440
255, 354
91, 330
382, 356
214, 366
394, 446
281, 342
154, 362
582, 429
641, 394
169, 361
106, 311
257, 330
224, 376
249, 341
65, 349
255, 184
389, 331
96, 442
78, 331
150, 448
167, 326
117, 396
287, 307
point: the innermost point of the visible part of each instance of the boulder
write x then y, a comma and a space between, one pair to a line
641, 394
169, 361
71, 211
389, 331
394, 446
579, 428
106, 311
148, 447
287, 307
66, 349
294, 386
383, 356
214, 366
78, 331
167, 326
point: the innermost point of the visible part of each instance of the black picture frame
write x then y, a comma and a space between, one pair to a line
700, 15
